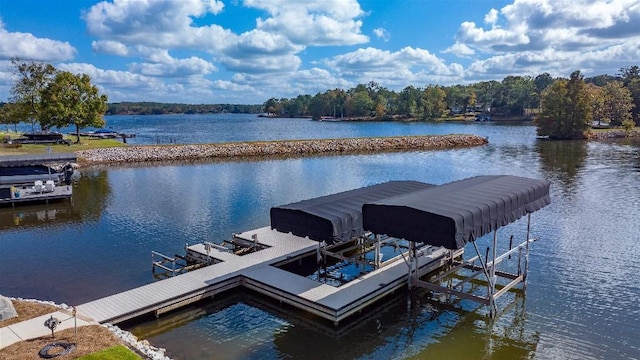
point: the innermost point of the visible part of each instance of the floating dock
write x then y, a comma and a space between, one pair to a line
28, 194
29, 178
257, 271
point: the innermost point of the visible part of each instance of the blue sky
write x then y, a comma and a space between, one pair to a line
247, 51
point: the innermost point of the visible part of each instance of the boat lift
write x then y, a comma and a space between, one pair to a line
454, 214
497, 282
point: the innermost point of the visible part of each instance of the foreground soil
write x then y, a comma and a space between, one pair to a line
88, 340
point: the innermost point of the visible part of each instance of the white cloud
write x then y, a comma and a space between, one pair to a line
110, 47
460, 50
478, 37
258, 42
313, 22
159, 23
262, 64
129, 86
174, 67
406, 66
554, 36
27, 46
492, 17
381, 33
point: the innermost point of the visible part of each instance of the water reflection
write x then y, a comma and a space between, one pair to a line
38, 215
405, 325
90, 193
561, 161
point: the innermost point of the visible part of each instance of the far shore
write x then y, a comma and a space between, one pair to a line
147, 153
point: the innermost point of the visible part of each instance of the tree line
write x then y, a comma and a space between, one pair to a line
513, 97
156, 108
44, 95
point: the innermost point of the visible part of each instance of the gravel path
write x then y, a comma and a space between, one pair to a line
275, 148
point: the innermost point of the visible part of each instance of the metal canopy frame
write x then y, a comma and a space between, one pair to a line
487, 270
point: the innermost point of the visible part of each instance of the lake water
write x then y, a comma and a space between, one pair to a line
584, 284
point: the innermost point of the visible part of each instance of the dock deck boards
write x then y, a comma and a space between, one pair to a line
28, 194
255, 271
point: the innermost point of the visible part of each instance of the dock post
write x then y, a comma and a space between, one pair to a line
526, 255
492, 282
377, 254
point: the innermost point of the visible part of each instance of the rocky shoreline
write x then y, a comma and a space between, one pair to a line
275, 148
614, 134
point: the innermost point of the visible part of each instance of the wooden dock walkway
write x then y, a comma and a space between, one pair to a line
255, 271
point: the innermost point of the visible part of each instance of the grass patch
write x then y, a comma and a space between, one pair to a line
85, 144
119, 352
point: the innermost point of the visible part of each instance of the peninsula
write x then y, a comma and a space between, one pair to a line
286, 148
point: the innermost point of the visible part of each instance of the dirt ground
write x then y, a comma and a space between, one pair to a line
88, 340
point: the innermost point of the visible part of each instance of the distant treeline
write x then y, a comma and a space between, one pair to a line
155, 108
515, 97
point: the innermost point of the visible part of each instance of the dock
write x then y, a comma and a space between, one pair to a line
28, 194
37, 159
31, 178
427, 226
256, 271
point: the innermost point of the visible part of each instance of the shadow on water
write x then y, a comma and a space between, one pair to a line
242, 324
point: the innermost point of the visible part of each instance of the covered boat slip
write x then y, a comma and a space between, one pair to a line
29, 178
36, 159
338, 217
448, 216
454, 214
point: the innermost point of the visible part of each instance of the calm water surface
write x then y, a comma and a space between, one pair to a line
581, 303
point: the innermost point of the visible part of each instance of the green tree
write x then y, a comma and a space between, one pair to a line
631, 80
10, 114
362, 104
596, 97
271, 106
73, 100
566, 109
380, 107
517, 91
408, 101
32, 78
434, 102
634, 89
617, 103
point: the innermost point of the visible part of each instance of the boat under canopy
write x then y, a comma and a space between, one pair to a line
455, 213
337, 217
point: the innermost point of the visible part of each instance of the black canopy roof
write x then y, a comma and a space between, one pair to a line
453, 214
336, 217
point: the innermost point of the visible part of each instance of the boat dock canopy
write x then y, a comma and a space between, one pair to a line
336, 217
36, 159
455, 213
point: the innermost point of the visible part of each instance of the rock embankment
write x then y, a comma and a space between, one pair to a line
276, 148
614, 134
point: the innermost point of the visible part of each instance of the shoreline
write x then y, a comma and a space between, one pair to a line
154, 153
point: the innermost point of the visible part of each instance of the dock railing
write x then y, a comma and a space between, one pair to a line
163, 262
